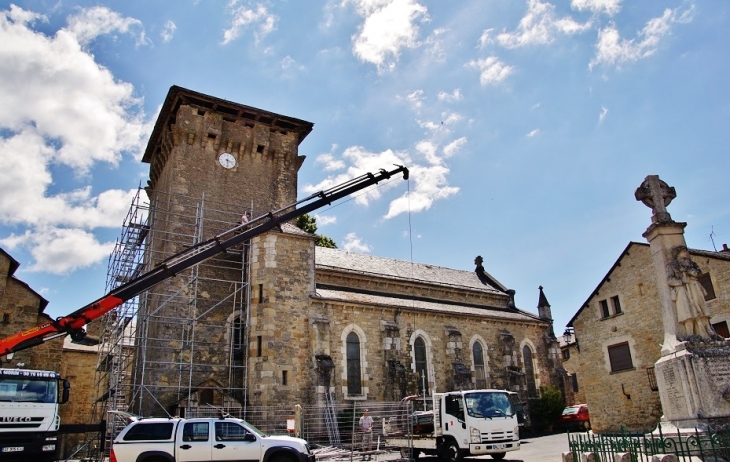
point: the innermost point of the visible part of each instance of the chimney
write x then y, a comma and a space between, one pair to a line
724, 248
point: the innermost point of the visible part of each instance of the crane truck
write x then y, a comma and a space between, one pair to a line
456, 424
19, 416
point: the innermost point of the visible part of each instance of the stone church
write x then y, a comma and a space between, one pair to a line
279, 320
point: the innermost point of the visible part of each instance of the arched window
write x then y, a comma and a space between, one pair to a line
354, 381
419, 354
479, 370
529, 371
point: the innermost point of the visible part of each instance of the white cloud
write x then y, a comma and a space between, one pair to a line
330, 162
324, 220
355, 244
428, 149
486, 38
609, 7
60, 251
533, 133
539, 26
244, 16
491, 70
389, 26
454, 147
611, 49
430, 185
602, 115
450, 97
168, 32
72, 114
93, 22
416, 99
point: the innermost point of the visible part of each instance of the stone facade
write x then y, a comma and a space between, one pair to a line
308, 300
628, 396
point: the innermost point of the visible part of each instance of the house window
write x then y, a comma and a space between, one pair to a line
284, 378
620, 357
479, 370
574, 379
354, 383
616, 305
529, 371
706, 282
419, 355
604, 309
721, 329
566, 353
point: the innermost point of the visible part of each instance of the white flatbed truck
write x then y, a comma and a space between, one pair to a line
458, 424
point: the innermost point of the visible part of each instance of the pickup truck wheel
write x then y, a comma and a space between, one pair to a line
450, 452
499, 455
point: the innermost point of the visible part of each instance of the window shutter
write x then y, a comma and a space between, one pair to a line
620, 357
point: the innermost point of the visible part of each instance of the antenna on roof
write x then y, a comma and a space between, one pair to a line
712, 232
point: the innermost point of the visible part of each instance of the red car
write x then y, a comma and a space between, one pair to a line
575, 417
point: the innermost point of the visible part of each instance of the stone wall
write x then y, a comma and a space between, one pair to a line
625, 398
297, 329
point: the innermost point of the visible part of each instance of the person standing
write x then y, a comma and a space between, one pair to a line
366, 427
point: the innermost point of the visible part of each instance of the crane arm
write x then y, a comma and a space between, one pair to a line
73, 323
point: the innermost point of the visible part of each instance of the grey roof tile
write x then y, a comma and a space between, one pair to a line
340, 260
382, 300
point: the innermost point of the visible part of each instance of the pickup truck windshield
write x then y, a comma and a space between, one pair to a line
488, 405
28, 390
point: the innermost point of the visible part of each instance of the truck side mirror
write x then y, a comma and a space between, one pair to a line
65, 392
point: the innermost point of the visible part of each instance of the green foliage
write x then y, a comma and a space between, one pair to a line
545, 411
324, 241
308, 224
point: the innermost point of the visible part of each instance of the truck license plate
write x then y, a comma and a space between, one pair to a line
500, 446
13, 449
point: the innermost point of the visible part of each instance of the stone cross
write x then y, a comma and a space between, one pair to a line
656, 194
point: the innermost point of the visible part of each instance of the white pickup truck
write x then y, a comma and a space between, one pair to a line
204, 439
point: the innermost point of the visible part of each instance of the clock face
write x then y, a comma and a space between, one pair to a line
227, 160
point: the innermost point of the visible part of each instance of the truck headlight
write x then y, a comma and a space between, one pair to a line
517, 432
476, 435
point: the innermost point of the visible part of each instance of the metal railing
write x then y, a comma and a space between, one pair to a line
710, 444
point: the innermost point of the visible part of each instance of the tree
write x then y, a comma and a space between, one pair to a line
308, 224
546, 411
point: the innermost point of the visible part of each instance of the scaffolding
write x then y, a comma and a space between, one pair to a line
178, 349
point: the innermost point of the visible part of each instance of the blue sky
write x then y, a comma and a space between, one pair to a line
527, 125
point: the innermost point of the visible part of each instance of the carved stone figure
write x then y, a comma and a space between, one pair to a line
688, 294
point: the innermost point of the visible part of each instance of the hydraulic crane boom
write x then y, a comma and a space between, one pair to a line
73, 323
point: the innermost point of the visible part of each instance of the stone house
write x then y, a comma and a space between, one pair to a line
619, 333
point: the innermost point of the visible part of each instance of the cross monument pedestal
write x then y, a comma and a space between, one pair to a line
693, 373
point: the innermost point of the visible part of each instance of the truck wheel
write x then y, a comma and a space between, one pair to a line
416, 454
450, 452
499, 455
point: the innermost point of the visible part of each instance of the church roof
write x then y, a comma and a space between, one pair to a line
351, 262
423, 305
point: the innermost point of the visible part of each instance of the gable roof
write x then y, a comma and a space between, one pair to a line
696, 252
390, 268
12, 268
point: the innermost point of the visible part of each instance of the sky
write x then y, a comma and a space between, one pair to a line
527, 125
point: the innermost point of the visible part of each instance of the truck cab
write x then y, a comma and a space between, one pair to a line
29, 418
